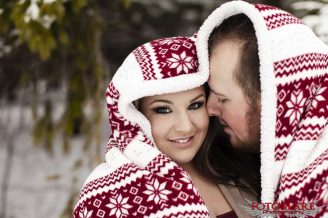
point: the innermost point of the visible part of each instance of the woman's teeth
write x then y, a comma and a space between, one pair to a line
184, 140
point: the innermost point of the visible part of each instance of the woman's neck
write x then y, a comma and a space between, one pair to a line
208, 189
189, 168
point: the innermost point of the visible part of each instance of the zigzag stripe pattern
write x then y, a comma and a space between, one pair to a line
308, 132
263, 8
198, 214
145, 190
143, 57
116, 177
300, 64
281, 19
156, 165
281, 151
123, 130
315, 191
289, 180
277, 18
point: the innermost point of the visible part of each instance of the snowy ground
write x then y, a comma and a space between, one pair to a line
39, 184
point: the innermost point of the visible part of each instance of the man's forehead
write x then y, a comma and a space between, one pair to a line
214, 87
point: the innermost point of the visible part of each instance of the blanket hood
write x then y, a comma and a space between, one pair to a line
161, 66
294, 99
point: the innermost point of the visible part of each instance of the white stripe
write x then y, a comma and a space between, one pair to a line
321, 146
293, 189
301, 75
314, 121
168, 212
298, 154
284, 140
293, 37
278, 164
303, 153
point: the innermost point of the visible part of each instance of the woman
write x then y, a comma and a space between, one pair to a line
158, 118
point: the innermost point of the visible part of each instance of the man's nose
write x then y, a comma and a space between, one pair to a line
183, 123
213, 108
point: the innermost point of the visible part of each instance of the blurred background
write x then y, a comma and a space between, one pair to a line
56, 59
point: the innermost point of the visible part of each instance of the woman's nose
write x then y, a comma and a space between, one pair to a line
183, 123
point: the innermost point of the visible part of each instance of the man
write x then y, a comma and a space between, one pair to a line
269, 90
235, 82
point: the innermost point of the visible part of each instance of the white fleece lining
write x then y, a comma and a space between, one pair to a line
140, 153
114, 159
268, 92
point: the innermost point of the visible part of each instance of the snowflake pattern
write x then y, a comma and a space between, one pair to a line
317, 92
169, 41
85, 213
295, 107
156, 191
187, 179
119, 206
180, 62
324, 193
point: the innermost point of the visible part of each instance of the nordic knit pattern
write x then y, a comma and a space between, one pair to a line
294, 101
137, 180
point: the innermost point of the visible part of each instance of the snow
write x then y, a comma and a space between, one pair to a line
40, 184
48, 1
319, 22
32, 12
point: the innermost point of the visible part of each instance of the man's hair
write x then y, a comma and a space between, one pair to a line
240, 28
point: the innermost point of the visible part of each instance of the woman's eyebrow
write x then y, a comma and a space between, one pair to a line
198, 96
161, 101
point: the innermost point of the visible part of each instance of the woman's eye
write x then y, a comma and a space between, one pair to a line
195, 106
162, 110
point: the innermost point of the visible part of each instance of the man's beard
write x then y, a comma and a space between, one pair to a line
252, 143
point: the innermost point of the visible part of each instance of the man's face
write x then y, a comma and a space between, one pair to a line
241, 121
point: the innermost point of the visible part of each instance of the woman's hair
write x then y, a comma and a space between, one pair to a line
217, 160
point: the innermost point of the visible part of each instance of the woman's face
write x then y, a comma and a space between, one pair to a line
179, 122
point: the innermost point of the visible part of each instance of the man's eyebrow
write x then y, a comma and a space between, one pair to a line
216, 93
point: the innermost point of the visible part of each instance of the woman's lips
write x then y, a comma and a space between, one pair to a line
182, 142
